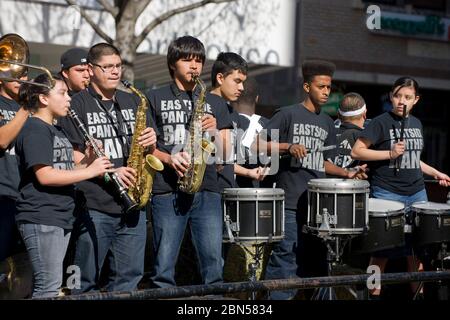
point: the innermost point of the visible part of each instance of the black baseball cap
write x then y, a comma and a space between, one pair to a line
73, 57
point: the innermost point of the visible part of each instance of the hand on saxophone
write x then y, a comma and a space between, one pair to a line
147, 138
126, 175
179, 162
209, 123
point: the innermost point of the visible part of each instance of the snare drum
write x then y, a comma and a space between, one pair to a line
253, 214
386, 224
345, 201
432, 222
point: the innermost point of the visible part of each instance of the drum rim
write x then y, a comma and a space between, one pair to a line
261, 197
348, 183
236, 238
342, 231
340, 191
253, 192
431, 211
395, 213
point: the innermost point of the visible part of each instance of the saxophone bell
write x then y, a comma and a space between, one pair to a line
145, 165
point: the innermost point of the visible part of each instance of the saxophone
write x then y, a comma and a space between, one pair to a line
145, 167
198, 147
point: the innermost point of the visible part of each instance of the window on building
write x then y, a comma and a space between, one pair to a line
434, 5
390, 2
439, 5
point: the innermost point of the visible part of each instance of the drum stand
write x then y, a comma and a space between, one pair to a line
443, 259
335, 247
255, 263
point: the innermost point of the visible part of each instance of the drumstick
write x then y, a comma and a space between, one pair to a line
402, 132
295, 163
320, 149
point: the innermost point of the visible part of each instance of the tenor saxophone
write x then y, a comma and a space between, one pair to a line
145, 166
196, 146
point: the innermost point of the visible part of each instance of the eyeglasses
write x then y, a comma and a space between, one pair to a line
109, 67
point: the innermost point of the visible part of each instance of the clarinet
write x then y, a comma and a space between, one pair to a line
128, 203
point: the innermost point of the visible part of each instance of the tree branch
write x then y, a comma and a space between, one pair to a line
114, 11
91, 22
158, 20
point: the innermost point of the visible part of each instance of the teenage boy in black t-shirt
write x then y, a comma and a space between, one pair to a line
75, 70
12, 119
251, 124
109, 116
352, 112
303, 129
172, 210
228, 74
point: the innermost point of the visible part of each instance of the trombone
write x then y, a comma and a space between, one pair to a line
14, 56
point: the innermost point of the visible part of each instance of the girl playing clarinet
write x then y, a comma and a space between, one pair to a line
47, 175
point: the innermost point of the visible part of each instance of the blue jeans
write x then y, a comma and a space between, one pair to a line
378, 192
46, 246
297, 255
124, 235
283, 260
8, 228
171, 214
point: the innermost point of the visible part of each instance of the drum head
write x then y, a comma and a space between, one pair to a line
382, 207
428, 207
338, 185
253, 194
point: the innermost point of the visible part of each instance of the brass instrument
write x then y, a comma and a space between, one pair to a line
14, 55
198, 147
145, 167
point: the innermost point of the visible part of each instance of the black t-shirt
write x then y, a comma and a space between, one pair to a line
298, 125
42, 144
380, 132
171, 110
9, 171
346, 136
244, 152
114, 129
226, 174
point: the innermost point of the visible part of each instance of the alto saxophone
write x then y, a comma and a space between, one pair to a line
147, 166
197, 147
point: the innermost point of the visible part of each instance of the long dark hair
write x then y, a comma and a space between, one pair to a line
405, 82
29, 93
